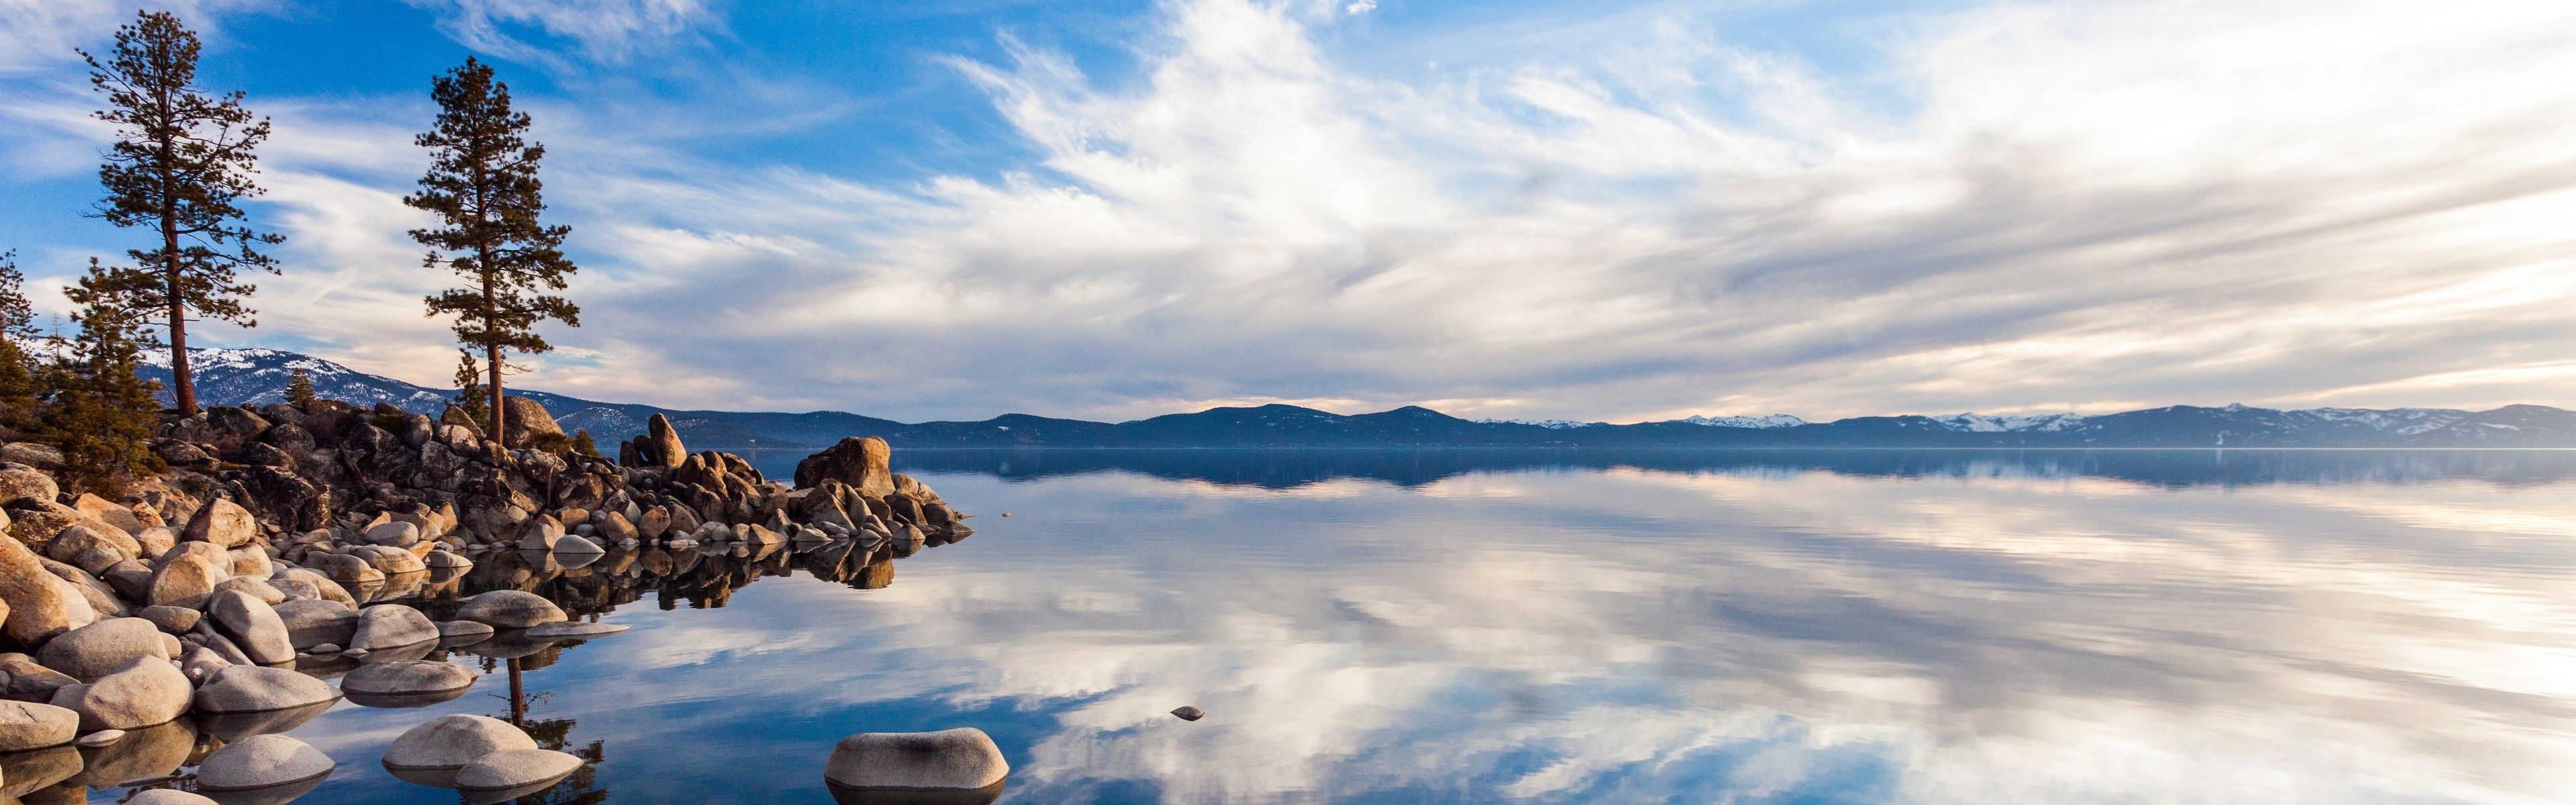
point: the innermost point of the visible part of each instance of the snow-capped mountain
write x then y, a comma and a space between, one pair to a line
1981, 423
1772, 421
260, 376
1550, 424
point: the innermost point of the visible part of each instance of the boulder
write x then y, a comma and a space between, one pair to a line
564, 630
251, 560
174, 620
199, 663
525, 419
394, 533
254, 689
252, 625
254, 587
39, 456
28, 725
317, 622
101, 597
509, 609
661, 445
18, 480
454, 742
222, 522
386, 626
29, 681
186, 581
389, 560
453, 630
156, 541
407, 678
142, 692
262, 762
962, 759
444, 559
40, 604
577, 546
94, 651
861, 463
79, 538
540, 533
509, 772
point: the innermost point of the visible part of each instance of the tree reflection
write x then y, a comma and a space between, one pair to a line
582, 787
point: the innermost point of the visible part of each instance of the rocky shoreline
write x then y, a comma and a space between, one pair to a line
198, 613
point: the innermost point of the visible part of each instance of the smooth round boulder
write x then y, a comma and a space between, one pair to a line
393, 533
175, 620
317, 621
40, 604
168, 796
962, 759
510, 773
93, 651
262, 762
453, 742
459, 629
256, 587
406, 682
253, 626
509, 609
222, 522
185, 581
390, 625
142, 692
28, 725
259, 689
566, 630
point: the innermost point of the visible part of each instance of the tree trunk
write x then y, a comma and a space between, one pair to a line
183, 388
492, 349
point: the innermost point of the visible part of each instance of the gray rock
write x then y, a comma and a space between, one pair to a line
509, 609
222, 646
576, 546
501, 774
541, 533
185, 581
439, 559
252, 625
1188, 713
451, 629
389, 560
168, 796
315, 622
223, 523
961, 759
41, 605
142, 692
28, 725
408, 676
93, 651
385, 626
262, 762
175, 620
100, 738
562, 630
454, 742
254, 689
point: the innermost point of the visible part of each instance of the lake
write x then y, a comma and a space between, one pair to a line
1639, 627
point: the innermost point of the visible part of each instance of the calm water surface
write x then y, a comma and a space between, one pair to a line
1901, 627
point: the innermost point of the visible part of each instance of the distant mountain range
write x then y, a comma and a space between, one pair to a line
257, 376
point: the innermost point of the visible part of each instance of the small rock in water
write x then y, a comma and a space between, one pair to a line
101, 738
512, 773
168, 796
325, 648
1006, 514
260, 762
563, 630
962, 759
1188, 713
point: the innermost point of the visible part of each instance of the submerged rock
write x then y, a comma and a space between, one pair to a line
263, 762
511, 773
453, 742
962, 759
509, 609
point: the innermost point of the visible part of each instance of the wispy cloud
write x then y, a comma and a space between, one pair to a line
2024, 206
606, 30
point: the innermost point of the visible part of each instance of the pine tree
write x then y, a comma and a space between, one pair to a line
583, 444
101, 414
18, 389
299, 390
182, 160
469, 390
482, 182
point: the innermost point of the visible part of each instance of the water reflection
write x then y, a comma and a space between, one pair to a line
2320, 627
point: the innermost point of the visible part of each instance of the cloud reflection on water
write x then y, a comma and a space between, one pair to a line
1628, 634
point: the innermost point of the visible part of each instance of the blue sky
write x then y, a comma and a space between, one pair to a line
1514, 209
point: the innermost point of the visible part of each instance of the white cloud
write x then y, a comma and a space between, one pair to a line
607, 29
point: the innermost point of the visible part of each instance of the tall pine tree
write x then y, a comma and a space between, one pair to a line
181, 161
18, 389
482, 183
101, 414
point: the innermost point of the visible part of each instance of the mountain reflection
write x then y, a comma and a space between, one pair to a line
1285, 469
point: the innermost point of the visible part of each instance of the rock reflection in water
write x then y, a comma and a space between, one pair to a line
703, 576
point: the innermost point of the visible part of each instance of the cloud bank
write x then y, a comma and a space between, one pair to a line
2015, 207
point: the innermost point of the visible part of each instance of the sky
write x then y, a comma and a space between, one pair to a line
1620, 211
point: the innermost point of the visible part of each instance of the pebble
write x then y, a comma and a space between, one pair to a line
101, 738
